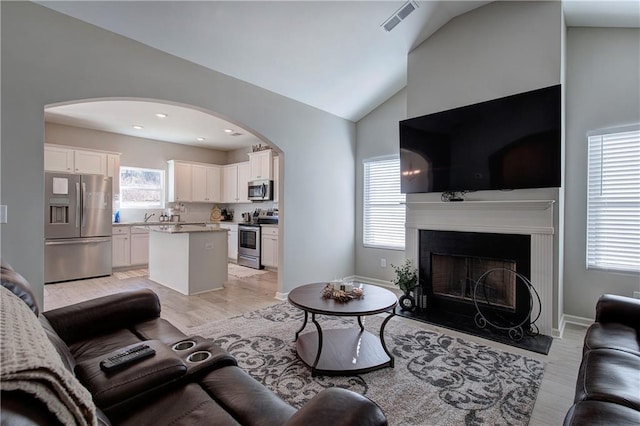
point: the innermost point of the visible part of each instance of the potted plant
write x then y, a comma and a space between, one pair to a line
406, 279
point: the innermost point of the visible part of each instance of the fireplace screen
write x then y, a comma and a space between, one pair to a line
456, 277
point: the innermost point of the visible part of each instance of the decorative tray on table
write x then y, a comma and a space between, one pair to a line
342, 292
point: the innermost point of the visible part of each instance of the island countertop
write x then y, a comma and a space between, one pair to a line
182, 229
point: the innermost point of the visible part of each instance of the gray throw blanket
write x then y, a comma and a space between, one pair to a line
30, 363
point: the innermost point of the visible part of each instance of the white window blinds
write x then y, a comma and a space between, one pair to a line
384, 209
613, 200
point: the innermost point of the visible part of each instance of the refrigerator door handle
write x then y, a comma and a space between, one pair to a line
84, 203
78, 241
77, 204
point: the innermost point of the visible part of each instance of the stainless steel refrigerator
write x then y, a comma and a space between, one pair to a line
77, 226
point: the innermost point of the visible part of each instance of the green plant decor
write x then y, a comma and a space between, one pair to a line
406, 276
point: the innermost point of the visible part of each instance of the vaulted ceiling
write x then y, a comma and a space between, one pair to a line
332, 55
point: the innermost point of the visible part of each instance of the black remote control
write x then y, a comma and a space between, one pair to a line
127, 357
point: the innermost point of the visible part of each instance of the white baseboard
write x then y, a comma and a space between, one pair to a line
374, 281
581, 321
570, 319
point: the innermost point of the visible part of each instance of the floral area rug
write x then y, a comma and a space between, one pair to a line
437, 379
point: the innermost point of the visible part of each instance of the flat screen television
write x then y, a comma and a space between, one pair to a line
507, 143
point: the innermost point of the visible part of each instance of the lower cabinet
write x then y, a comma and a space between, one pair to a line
139, 247
269, 242
129, 246
120, 246
232, 240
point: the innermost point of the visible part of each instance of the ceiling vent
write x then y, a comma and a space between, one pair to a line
400, 14
235, 134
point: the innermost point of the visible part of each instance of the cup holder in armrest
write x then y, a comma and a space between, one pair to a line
183, 346
199, 356
202, 355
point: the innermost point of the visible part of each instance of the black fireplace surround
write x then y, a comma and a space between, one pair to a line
509, 251
511, 248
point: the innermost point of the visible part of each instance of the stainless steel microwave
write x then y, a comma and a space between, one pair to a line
261, 190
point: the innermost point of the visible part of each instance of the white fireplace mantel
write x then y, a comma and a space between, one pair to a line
528, 217
503, 217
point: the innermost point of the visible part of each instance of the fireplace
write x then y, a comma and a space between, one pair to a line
532, 220
462, 273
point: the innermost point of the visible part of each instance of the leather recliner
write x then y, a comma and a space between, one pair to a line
163, 389
608, 385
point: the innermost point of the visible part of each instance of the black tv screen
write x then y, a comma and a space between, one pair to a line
507, 143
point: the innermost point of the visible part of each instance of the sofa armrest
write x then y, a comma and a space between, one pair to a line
338, 407
103, 314
620, 309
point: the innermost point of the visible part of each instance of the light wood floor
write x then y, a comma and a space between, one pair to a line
247, 294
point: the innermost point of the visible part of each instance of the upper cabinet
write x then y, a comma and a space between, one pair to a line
90, 162
65, 159
206, 184
261, 164
194, 182
180, 178
235, 183
244, 176
58, 159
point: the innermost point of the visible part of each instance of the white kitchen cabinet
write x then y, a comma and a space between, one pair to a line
206, 184
232, 240
120, 246
235, 182
230, 183
243, 182
180, 181
261, 164
113, 171
269, 242
139, 247
90, 162
58, 159
276, 178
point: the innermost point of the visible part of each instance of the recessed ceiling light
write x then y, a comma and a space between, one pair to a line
138, 127
228, 130
199, 139
161, 115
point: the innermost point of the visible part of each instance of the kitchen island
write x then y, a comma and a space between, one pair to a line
190, 259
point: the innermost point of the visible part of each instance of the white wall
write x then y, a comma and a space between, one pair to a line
497, 50
49, 58
603, 65
377, 136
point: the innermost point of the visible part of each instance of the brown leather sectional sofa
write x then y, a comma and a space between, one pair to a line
165, 389
608, 386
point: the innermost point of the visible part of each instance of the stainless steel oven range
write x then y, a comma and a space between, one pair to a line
249, 245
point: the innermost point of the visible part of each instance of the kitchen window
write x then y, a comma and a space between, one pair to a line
613, 199
141, 188
384, 208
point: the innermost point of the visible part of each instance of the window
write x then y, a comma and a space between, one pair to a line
613, 200
141, 188
384, 209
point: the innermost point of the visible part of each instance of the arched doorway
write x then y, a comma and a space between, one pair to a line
147, 134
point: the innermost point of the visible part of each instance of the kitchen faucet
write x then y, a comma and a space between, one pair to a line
148, 216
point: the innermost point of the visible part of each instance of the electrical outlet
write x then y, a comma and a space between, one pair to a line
636, 294
383, 262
